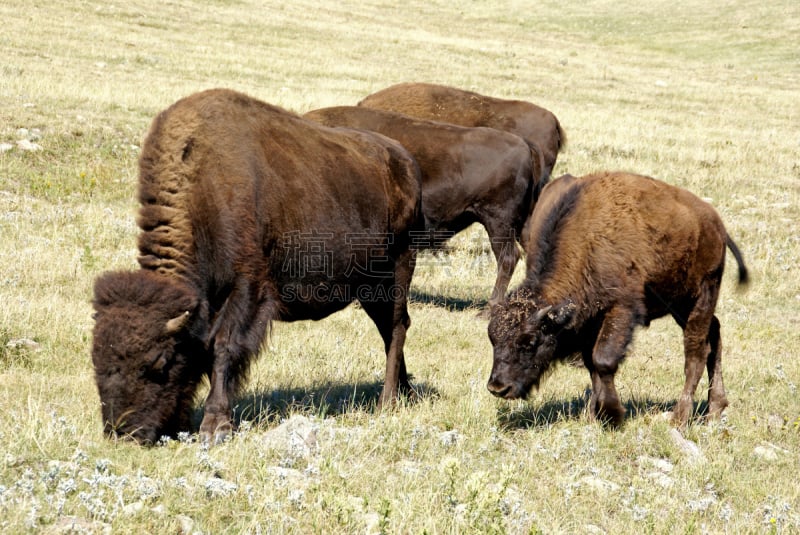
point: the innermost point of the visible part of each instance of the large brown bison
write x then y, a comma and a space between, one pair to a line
538, 126
606, 253
468, 175
248, 214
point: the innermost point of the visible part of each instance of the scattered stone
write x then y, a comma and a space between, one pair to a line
661, 479
450, 438
288, 477
218, 487
12, 461
75, 524
688, 448
297, 437
22, 343
600, 484
776, 422
185, 525
5, 147
372, 523
768, 452
662, 465
24, 144
133, 508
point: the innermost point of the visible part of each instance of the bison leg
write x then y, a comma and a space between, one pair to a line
237, 334
389, 312
506, 254
609, 350
717, 401
701, 350
217, 424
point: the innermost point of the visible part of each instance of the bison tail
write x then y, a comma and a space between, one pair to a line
562, 137
539, 178
744, 277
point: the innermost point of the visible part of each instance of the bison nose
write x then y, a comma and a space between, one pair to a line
499, 390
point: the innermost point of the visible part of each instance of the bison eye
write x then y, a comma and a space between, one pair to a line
525, 341
155, 366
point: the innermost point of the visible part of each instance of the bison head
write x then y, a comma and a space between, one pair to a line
523, 335
147, 365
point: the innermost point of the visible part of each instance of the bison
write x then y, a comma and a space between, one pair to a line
606, 253
538, 126
468, 175
249, 214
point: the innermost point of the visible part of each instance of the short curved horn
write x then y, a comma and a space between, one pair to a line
176, 324
541, 313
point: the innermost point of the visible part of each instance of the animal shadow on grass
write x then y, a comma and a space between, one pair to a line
457, 304
553, 411
262, 408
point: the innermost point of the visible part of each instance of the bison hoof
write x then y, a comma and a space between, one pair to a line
214, 431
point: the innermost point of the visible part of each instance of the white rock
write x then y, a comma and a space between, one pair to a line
600, 484
660, 464
662, 479
133, 508
24, 144
25, 343
185, 524
296, 436
449, 438
5, 147
688, 448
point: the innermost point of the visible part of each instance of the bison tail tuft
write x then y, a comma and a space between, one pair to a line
744, 276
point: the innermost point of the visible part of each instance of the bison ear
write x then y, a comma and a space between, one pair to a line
159, 363
177, 324
561, 315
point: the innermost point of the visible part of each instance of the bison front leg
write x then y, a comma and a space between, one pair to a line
217, 424
609, 350
239, 329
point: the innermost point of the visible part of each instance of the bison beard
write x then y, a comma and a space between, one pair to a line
223, 179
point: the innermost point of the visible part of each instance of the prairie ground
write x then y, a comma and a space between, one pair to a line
701, 95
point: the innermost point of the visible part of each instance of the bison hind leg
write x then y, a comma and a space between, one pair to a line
717, 401
388, 309
702, 349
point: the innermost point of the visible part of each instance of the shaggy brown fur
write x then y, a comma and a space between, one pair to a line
537, 126
608, 252
249, 214
468, 175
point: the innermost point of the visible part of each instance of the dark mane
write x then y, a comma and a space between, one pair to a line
549, 223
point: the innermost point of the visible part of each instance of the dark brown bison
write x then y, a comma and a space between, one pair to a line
538, 126
608, 252
468, 175
248, 214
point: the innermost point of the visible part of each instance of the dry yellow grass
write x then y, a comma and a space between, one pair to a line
699, 94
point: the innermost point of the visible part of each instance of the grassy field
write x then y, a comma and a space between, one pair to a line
703, 95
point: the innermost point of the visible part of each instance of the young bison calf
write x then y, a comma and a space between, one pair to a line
608, 252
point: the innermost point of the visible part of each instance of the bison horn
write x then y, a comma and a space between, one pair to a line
177, 323
541, 313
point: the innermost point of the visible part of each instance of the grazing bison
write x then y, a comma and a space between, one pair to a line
536, 125
608, 252
468, 175
248, 214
